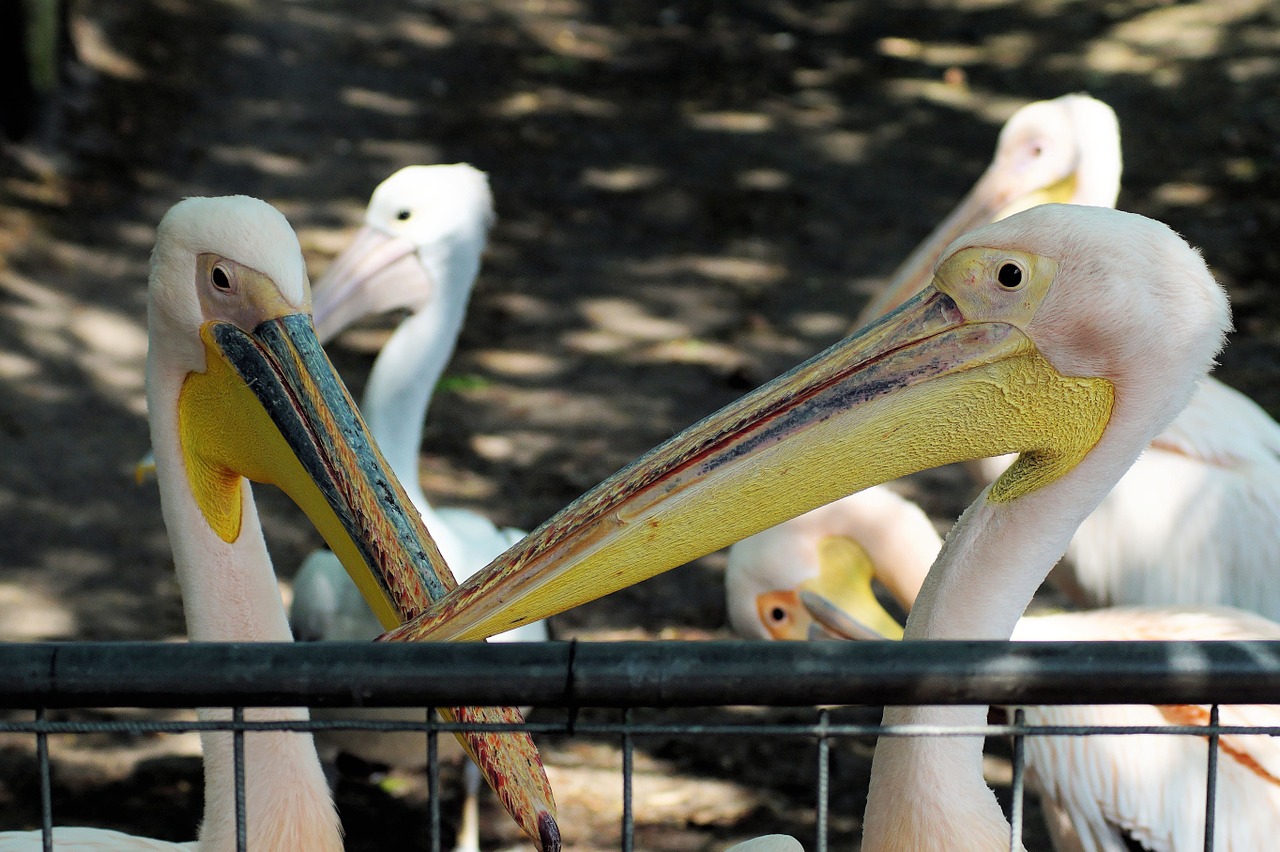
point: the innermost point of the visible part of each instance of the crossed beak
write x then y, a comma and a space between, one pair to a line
922, 387
270, 407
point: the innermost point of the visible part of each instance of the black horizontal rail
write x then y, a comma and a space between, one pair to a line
636, 674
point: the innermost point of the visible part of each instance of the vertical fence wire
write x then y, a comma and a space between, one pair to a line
824, 781
46, 785
628, 766
237, 748
1211, 781
1018, 782
433, 781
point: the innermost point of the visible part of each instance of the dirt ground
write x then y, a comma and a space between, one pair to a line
691, 198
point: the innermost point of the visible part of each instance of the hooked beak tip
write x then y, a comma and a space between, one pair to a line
548, 832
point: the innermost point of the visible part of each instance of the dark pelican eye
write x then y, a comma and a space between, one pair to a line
404, 215
777, 614
220, 279
1010, 276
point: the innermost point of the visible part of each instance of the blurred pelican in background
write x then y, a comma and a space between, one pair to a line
1197, 518
418, 251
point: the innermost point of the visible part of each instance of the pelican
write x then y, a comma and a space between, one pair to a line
1096, 789
1066, 150
1069, 334
834, 552
1197, 518
419, 250
237, 389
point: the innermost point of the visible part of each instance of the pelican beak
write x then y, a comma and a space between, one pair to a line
998, 195
845, 574
844, 583
832, 621
270, 407
949, 376
1061, 191
376, 273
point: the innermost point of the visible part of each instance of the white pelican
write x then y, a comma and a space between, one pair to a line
832, 551
1072, 335
419, 250
238, 389
1099, 788
1066, 150
1196, 520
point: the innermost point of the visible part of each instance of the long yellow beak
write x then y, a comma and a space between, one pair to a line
945, 378
844, 582
271, 408
839, 621
298, 429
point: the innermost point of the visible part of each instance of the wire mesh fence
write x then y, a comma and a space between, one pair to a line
627, 676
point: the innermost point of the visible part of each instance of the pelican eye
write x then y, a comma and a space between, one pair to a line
777, 615
220, 279
404, 215
1010, 276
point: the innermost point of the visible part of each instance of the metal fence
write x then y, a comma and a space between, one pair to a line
631, 675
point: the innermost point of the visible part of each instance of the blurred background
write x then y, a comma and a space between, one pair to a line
690, 199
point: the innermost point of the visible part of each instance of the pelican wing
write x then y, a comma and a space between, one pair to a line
1223, 427
1193, 521
1153, 786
